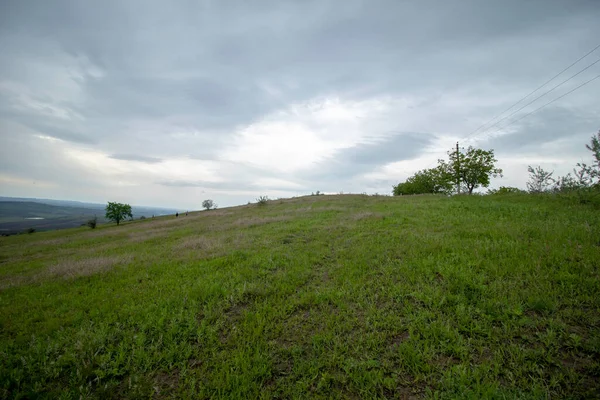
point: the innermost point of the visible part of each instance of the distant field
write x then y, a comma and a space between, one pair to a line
19, 215
316, 297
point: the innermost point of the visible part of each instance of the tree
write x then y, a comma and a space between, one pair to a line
585, 178
426, 181
471, 169
208, 204
539, 180
591, 173
117, 212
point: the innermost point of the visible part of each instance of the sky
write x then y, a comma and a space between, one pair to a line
168, 103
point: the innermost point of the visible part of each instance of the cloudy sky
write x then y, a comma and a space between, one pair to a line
167, 103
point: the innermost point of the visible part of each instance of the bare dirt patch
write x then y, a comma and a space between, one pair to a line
399, 338
165, 383
233, 316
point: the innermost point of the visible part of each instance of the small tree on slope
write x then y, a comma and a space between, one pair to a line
209, 204
117, 212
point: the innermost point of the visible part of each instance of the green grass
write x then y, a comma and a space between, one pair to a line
317, 297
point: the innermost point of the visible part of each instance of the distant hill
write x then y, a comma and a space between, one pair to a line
19, 214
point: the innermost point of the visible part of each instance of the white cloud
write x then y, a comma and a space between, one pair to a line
303, 134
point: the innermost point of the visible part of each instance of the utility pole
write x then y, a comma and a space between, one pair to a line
457, 169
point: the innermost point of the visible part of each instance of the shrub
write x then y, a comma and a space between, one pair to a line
506, 190
431, 180
142, 217
30, 230
540, 180
262, 200
92, 222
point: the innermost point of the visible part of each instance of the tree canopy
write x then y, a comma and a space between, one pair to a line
425, 181
117, 212
208, 204
468, 170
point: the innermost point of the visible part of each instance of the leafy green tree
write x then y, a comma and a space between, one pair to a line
426, 181
117, 212
470, 169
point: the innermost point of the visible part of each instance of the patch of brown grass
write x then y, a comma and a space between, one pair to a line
255, 221
312, 208
366, 214
50, 242
203, 243
142, 235
165, 383
89, 266
68, 269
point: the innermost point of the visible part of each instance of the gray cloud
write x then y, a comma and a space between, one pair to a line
133, 157
545, 127
365, 157
181, 81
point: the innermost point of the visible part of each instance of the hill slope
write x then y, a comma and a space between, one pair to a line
329, 296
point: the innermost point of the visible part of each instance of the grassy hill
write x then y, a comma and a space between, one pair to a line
315, 297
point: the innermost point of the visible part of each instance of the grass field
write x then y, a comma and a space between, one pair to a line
317, 297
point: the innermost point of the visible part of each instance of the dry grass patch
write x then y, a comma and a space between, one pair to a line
68, 269
366, 214
85, 267
50, 242
199, 243
316, 209
213, 213
143, 235
255, 221
171, 222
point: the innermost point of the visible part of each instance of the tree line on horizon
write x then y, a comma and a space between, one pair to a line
465, 171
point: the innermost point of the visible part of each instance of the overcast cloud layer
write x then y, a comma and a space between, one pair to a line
169, 103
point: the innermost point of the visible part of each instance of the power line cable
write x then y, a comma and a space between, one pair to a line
537, 98
548, 103
535, 90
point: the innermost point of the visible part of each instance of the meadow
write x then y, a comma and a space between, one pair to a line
345, 296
